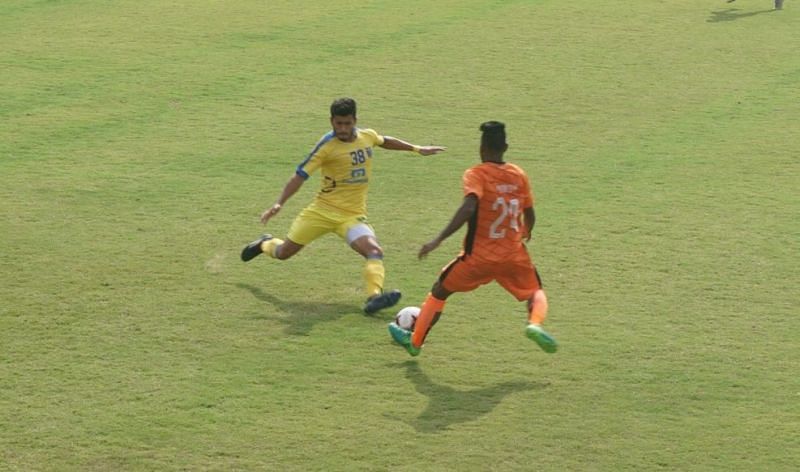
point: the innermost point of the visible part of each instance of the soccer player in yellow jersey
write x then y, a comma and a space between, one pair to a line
344, 159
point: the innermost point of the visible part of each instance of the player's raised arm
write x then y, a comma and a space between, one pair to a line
292, 186
400, 145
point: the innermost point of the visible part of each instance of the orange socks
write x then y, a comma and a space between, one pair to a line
428, 315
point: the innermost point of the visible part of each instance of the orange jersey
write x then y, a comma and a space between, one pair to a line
496, 230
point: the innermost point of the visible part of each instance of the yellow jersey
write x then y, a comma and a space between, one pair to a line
346, 169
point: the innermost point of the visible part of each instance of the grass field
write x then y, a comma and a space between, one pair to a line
139, 142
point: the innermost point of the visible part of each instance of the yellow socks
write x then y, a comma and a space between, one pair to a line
268, 247
374, 273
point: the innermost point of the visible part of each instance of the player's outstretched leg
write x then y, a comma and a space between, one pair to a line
403, 337
254, 248
537, 312
542, 338
381, 301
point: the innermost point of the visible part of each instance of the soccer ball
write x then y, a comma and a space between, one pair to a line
407, 317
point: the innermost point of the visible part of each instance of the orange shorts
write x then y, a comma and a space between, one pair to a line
466, 273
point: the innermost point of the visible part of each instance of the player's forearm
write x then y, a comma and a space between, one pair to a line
398, 144
292, 186
463, 214
530, 218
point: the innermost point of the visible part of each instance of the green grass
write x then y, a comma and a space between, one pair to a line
139, 142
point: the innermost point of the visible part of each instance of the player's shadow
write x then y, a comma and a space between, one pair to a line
731, 14
302, 314
448, 406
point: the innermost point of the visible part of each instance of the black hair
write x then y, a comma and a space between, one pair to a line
494, 135
343, 107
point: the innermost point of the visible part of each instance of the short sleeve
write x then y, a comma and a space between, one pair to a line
528, 199
314, 159
377, 139
472, 183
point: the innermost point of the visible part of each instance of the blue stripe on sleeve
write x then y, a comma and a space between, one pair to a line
301, 173
324, 139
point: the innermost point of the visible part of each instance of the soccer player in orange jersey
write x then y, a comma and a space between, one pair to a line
498, 207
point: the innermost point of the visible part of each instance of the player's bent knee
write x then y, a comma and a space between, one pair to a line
367, 246
375, 253
439, 291
370, 253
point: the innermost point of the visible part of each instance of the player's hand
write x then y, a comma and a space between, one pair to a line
429, 150
270, 212
427, 248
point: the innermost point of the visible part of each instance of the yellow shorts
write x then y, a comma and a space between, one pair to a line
314, 222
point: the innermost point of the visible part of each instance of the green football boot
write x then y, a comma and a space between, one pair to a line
403, 337
540, 337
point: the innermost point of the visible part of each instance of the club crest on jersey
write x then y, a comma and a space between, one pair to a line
328, 185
